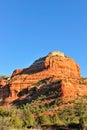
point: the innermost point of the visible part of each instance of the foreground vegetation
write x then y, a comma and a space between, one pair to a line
36, 114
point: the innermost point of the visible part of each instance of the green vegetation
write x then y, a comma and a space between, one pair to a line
37, 114
4, 77
83, 81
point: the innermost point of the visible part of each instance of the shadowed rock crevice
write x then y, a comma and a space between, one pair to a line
36, 67
51, 91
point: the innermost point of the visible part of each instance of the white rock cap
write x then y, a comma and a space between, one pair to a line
56, 53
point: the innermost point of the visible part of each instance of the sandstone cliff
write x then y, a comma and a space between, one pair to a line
52, 72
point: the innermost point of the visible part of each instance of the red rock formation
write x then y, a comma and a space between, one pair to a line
17, 71
54, 66
62, 67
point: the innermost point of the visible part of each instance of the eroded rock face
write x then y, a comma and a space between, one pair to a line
62, 67
17, 71
53, 66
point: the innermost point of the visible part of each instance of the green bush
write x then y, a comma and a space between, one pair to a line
33, 115
16, 122
56, 120
28, 118
44, 120
4, 123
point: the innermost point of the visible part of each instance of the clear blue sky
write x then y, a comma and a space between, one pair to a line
30, 29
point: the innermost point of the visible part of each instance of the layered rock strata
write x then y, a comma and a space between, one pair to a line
54, 66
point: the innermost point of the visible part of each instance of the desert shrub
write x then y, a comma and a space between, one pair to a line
15, 122
4, 112
4, 77
43, 120
56, 120
28, 118
33, 114
4, 123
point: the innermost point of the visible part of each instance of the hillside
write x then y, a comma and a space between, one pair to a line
54, 72
51, 85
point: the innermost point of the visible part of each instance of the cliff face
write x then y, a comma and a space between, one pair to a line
53, 64
46, 70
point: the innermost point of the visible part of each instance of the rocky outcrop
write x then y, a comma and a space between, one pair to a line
63, 67
53, 64
56, 53
47, 70
17, 71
